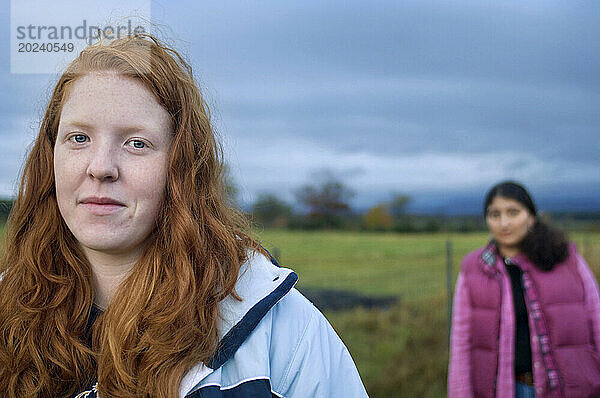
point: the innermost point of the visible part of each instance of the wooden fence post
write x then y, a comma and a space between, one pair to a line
449, 280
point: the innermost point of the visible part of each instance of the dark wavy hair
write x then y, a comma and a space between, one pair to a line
544, 244
163, 319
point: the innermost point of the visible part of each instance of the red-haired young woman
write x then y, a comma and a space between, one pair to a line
125, 273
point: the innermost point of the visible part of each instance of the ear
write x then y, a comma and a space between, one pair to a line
530, 221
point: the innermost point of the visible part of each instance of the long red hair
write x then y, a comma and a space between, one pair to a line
162, 320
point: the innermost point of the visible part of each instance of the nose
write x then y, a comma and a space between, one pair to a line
504, 220
103, 164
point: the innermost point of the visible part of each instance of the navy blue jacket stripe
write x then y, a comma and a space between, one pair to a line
260, 388
240, 332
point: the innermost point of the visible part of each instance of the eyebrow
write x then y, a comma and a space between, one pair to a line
122, 129
505, 208
74, 123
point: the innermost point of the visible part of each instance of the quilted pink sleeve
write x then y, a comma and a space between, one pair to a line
592, 298
459, 369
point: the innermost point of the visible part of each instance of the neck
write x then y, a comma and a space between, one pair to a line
109, 270
509, 251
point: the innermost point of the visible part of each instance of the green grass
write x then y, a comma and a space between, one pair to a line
370, 263
410, 265
399, 352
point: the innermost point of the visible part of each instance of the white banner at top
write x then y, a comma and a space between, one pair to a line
46, 35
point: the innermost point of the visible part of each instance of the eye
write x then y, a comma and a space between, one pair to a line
513, 212
493, 214
138, 144
78, 138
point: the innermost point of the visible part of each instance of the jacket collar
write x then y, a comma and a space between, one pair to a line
490, 258
261, 284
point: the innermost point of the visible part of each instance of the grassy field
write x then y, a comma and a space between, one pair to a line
412, 266
403, 350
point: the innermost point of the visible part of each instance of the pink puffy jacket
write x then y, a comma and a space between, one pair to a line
482, 339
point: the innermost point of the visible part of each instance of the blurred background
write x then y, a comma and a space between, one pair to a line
361, 137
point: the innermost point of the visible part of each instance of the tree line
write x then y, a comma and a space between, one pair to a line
325, 204
5, 207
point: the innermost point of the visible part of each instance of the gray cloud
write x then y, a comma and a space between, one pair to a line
422, 96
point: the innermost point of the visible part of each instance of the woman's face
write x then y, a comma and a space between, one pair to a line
110, 162
508, 221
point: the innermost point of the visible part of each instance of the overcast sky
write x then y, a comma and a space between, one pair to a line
430, 98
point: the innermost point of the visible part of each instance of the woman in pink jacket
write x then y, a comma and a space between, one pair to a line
526, 319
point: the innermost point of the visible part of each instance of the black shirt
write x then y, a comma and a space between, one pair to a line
94, 314
522, 338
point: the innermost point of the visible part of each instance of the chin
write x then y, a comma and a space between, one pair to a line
109, 246
509, 244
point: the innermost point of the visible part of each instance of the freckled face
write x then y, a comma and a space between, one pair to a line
110, 162
508, 221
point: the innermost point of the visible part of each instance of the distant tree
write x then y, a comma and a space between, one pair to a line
432, 225
231, 188
378, 218
5, 207
398, 205
401, 221
271, 211
327, 200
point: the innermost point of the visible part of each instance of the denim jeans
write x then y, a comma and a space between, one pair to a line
524, 391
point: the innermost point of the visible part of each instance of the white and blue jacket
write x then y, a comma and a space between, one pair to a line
274, 343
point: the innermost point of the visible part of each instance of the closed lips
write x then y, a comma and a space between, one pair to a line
101, 201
